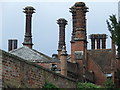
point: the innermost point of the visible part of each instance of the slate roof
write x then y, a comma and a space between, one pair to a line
32, 55
102, 57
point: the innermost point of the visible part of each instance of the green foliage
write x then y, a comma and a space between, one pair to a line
114, 28
109, 84
87, 85
49, 85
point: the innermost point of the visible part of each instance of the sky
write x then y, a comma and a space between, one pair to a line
44, 27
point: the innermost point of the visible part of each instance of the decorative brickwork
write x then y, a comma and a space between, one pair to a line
79, 38
78, 42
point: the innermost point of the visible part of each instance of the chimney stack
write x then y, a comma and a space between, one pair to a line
63, 60
79, 38
62, 23
12, 44
28, 35
100, 39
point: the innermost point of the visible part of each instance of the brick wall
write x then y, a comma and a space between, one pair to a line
19, 73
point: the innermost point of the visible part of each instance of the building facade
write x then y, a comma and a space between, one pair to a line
94, 65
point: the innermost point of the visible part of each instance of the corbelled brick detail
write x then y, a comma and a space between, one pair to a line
18, 73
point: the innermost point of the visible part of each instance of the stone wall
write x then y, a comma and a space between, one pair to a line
18, 73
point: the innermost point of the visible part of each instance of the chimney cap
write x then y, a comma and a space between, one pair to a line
61, 21
79, 4
28, 9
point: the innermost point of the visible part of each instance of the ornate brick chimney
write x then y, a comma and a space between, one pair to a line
12, 44
63, 60
28, 35
62, 23
78, 40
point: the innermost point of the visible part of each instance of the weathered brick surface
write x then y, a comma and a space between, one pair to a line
99, 75
19, 73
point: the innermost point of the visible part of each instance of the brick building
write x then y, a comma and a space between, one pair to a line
94, 65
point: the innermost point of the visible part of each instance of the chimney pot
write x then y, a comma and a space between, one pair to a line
12, 44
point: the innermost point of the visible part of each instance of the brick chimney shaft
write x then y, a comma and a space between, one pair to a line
28, 35
63, 61
61, 22
79, 39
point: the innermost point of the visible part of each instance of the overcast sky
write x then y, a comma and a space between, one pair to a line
44, 26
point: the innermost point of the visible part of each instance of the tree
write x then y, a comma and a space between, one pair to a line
114, 28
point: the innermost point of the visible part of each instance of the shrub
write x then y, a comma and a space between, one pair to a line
109, 83
87, 85
49, 85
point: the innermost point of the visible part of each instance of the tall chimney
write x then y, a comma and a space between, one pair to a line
12, 44
79, 39
61, 22
63, 60
28, 35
